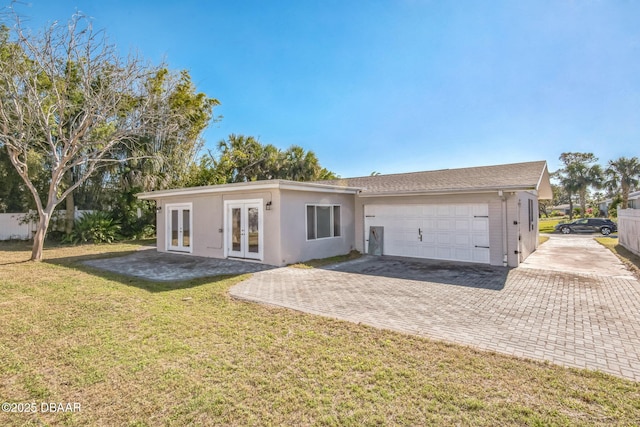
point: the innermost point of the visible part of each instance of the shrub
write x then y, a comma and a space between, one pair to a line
96, 227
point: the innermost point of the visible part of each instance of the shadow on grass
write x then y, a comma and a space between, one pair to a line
16, 245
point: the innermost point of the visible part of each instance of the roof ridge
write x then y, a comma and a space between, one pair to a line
435, 170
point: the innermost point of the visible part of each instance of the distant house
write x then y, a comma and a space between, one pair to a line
564, 208
482, 214
634, 202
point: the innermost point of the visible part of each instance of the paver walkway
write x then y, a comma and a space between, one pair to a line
584, 320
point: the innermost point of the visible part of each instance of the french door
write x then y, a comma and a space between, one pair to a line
244, 234
179, 221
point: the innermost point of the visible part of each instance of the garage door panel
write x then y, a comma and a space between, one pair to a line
463, 210
444, 253
463, 254
462, 225
428, 238
443, 239
429, 224
443, 210
429, 210
463, 239
445, 224
449, 232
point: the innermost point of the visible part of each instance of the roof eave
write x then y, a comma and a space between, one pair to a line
247, 186
445, 192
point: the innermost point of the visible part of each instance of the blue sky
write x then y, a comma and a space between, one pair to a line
398, 86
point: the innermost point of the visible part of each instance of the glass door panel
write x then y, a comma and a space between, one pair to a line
236, 229
186, 228
179, 228
253, 230
174, 228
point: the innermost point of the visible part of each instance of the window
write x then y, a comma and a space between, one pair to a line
323, 221
531, 217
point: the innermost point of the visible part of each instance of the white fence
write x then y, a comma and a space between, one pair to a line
629, 229
12, 229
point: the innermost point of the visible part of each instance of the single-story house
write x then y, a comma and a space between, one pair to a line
634, 202
564, 208
483, 214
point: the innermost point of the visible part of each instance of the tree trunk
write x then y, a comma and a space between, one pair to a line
625, 196
70, 214
70, 204
570, 208
583, 203
38, 238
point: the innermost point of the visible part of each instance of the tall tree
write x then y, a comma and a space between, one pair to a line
78, 121
243, 158
578, 174
159, 163
585, 177
624, 175
300, 165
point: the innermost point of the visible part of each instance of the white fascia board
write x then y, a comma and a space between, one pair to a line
446, 192
210, 189
321, 188
247, 186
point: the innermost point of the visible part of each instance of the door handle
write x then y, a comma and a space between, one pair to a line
420, 234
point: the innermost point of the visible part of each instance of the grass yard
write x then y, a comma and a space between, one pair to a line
140, 353
547, 225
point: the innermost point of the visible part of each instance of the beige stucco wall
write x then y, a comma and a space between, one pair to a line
528, 236
284, 226
497, 220
208, 223
295, 246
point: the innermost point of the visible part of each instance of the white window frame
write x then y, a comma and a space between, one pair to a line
315, 221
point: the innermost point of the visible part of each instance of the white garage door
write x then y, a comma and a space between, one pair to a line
457, 232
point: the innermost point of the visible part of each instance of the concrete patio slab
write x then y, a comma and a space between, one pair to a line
151, 265
578, 254
582, 317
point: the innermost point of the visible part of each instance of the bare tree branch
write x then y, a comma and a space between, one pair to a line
67, 96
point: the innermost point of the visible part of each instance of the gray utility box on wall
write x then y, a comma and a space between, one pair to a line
376, 240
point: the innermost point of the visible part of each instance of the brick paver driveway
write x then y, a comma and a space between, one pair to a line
573, 318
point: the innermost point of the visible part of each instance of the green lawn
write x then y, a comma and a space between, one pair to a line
137, 353
547, 225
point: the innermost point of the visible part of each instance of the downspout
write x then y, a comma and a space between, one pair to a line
504, 228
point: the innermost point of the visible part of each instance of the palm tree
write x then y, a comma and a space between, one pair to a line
585, 176
570, 186
300, 165
578, 175
624, 173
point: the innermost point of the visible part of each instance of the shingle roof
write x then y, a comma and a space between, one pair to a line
516, 175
